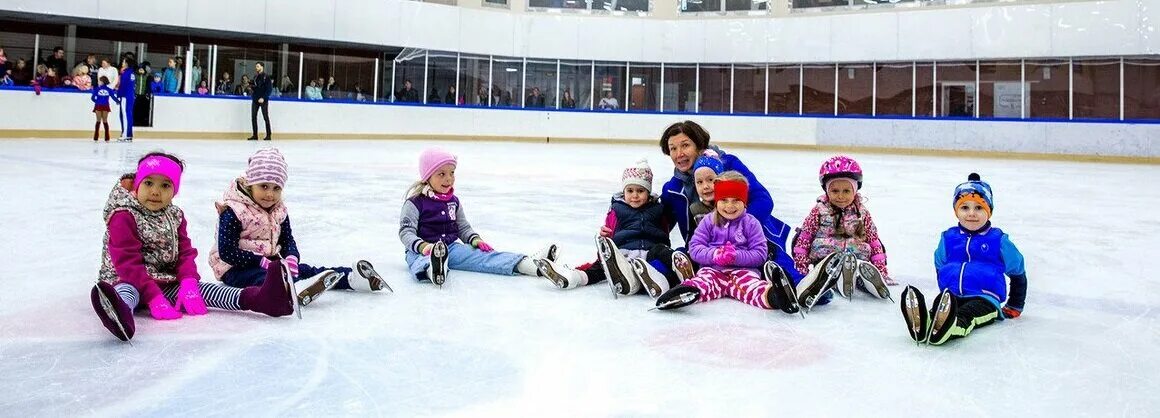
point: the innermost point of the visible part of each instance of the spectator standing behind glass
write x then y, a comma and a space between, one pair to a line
358, 94
506, 99
4, 70
287, 87
81, 79
202, 88
225, 85
110, 72
313, 92
156, 86
408, 94
567, 102
169, 78
21, 74
92, 63
50, 79
196, 73
452, 97
535, 100
481, 96
244, 87
433, 98
609, 102
260, 99
56, 61
331, 90
180, 74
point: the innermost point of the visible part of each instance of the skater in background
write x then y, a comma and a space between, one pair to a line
437, 236
148, 259
636, 223
838, 244
730, 248
126, 90
253, 225
100, 97
971, 259
260, 100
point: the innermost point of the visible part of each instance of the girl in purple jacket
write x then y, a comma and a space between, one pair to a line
437, 236
149, 261
730, 248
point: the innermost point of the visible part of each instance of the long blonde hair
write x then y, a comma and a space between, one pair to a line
416, 188
728, 175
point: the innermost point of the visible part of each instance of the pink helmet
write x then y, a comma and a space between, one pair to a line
840, 166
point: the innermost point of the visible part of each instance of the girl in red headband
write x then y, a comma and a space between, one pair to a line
730, 248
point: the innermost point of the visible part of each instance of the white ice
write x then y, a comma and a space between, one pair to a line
516, 346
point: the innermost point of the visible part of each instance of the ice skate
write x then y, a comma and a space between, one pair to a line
678, 297
546, 253
683, 266
316, 285
115, 314
367, 271
942, 318
437, 272
848, 269
781, 293
652, 280
822, 277
870, 280
562, 276
616, 268
914, 312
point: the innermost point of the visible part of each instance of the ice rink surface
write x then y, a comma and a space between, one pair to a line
518, 347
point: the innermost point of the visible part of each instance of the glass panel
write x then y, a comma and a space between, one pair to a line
924, 89
508, 82
1048, 83
956, 89
999, 89
610, 85
1141, 89
895, 89
621, 5
408, 83
802, 4
700, 6
855, 89
714, 88
18, 51
558, 4
748, 88
502, 3
199, 77
354, 77
576, 85
540, 91
1096, 85
441, 79
473, 79
680, 88
50, 71
235, 64
818, 94
784, 86
737, 5
645, 90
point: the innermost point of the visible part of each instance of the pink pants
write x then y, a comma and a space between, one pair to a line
742, 284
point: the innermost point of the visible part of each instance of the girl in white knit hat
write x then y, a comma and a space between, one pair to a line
253, 227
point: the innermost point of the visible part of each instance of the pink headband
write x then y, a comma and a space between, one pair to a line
159, 165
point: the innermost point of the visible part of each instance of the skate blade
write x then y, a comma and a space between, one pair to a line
107, 306
288, 281
605, 255
365, 269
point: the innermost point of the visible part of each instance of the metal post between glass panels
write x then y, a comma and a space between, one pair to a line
394, 62
913, 88
524, 85
592, 83
661, 102
1070, 88
1121, 88
627, 83
934, 89
732, 76
301, 63
836, 88
697, 88
801, 91
426, 68
978, 89
187, 76
557, 84
874, 89
213, 66
1023, 89
490, 80
765, 98
35, 50
455, 97
375, 89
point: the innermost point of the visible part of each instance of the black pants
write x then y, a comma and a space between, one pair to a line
265, 106
970, 313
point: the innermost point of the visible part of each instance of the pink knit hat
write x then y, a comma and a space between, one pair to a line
267, 166
430, 161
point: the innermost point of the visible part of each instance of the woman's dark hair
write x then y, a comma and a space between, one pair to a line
691, 129
104, 80
163, 154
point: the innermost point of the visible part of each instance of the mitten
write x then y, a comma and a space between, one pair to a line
1011, 313
725, 255
292, 265
482, 246
161, 309
425, 248
189, 297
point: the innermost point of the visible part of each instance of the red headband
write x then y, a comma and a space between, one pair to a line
737, 189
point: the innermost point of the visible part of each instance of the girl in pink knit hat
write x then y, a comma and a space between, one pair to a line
437, 236
253, 225
148, 259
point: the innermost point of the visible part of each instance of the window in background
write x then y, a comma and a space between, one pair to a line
1096, 88
610, 85
957, 94
818, 90
924, 89
576, 85
895, 95
748, 88
680, 88
855, 89
236, 61
644, 86
409, 70
441, 79
1048, 84
473, 79
714, 88
540, 90
1000, 89
508, 82
1141, 88
784, 88
694, 6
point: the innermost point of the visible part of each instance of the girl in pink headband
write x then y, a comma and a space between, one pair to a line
148, 259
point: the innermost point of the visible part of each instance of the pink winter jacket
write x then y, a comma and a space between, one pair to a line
261, 228
817, 237
143, 248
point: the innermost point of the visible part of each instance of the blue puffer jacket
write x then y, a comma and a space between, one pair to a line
974, 264
641, 228
680, 191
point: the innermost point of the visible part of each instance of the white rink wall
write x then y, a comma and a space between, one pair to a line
64, 114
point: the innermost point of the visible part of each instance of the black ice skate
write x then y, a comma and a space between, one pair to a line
914, 312
652, 280
115, 315
616, 267
781, 293
678, 297
942, 318
438, 269
318, 284
367, 271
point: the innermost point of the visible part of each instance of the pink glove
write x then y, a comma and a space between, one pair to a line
425, 248
609, 225
161, 309
725, 254
189, 298
483, 246
292, 265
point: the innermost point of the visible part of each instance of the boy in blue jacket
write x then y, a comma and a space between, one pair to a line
971, 259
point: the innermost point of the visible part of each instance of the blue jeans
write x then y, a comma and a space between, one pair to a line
254, 276
467, 258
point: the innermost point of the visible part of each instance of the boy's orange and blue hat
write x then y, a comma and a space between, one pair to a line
975, 190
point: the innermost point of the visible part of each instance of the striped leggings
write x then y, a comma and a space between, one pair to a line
215, 295
742, 284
